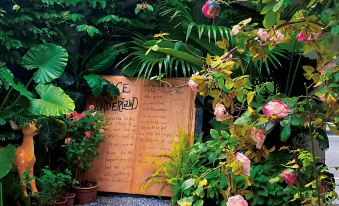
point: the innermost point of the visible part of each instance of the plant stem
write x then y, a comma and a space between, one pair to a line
6, 97
289, 69
295, 73
315, 172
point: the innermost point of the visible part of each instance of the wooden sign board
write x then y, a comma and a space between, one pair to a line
142, 123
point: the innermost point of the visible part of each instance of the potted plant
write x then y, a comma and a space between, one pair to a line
84, 134
53, 188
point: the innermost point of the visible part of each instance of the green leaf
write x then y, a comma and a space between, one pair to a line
270, 19
335, 30
278, 5
102, 61
6, 75
150, 8
198, 203
111, 88
285, 133
187, 184
7, 158
245, 118
95, 83
53, 102
49, 59
90, 30
214, 134
270, 87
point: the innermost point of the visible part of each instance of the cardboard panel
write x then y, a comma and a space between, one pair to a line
142, 123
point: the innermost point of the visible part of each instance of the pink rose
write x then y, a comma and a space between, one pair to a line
82, 115
276, 108
101, 130
289, 177
302, 36
67, 140
237, 200
278, 37
91, 107
263, 35
210, 9
68, 116
246, 163
88, 134
194, 86
220, 112
259, 136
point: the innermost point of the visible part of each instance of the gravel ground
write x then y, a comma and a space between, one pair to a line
129, 200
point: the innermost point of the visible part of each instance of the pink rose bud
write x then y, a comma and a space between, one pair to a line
101, 130
259, 136
210, 9
276, 108
246, 163
278, 37
302, 37
91, 107
194, 86
68, 116
263, 35
88, 134
220, 112
237, 200
289, 177
67, 140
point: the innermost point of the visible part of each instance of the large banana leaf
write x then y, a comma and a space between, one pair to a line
7, 75
97, 85
53, 102
7, 158
49, 59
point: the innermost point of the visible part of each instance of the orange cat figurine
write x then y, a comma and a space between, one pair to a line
25, 158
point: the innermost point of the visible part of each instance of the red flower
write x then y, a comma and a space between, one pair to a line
68, 116
91, 107
289, 177
75, 119
302, 36
88, 134
210, 9
67, 140
82, 115
75, 114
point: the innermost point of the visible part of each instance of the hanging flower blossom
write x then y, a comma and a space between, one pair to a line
289, 177
88, 134
237, 200
194, 86
246, 163
91, 107
263, 35
278, 37
67, 140
220, 112
259, 136
68, 116
302, 37
276, 108
210, 9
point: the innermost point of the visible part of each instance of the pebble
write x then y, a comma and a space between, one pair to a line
129, 200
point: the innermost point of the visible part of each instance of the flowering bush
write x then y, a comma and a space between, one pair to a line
84, 134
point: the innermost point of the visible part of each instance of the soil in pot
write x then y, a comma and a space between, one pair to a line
60, 202
70, 198
86, 194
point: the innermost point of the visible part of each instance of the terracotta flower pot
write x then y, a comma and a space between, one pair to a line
70, 198
60, 202
85, 195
